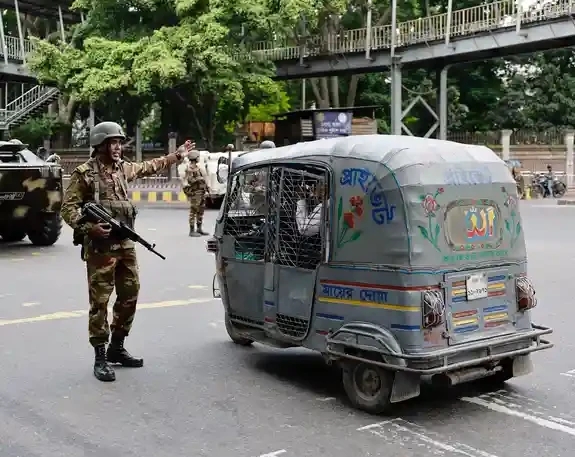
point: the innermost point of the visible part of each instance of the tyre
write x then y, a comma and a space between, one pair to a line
367, 386
559, 190
240, 340
12, 235
46, 230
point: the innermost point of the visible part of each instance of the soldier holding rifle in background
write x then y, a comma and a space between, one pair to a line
110, 262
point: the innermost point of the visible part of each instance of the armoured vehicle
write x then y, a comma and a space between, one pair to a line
31, 194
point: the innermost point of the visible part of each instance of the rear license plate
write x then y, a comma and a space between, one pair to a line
476, 286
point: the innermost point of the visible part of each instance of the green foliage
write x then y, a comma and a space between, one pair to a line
35, 130
264, 111
180, 56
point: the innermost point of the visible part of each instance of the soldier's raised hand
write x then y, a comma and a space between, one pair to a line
187, 148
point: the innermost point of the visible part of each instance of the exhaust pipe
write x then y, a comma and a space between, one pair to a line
461, 376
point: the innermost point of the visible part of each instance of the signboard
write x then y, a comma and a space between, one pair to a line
332, 124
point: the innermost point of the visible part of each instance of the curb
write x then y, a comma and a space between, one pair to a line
565, 202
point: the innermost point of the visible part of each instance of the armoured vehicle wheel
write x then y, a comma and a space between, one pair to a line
367, 386
234, 336
12, 235
46, 231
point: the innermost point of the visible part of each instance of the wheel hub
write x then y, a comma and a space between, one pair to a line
368, 381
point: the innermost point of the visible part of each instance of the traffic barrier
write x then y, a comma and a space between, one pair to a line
154, 196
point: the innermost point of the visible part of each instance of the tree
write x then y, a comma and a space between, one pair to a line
182, 54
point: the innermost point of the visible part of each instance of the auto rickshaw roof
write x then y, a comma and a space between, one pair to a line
375, 148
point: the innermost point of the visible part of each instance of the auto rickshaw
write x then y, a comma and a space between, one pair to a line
416, 271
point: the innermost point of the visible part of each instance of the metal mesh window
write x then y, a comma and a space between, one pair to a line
246, 214
297, 203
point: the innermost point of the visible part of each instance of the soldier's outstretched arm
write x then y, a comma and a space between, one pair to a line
73, 199
135, 170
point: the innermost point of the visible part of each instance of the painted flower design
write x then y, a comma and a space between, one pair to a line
430, 207
513, 223
357, 205
511, 201
348, 220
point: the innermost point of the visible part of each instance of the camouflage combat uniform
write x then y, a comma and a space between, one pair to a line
109, 263
195, 189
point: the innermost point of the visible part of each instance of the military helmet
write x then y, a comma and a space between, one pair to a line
267, 144
105, 130
194, 155
15, 141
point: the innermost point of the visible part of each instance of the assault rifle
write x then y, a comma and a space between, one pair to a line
95, 213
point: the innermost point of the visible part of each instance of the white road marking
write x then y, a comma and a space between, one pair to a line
569, 374
274, 454
31, 303
405, 433
196, 286
533, 415
325, 398
79, 313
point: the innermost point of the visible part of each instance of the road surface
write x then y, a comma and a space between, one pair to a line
200, 395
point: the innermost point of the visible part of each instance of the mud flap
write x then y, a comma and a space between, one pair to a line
522, 365
405, 386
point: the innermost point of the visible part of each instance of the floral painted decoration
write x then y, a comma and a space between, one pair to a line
513, 223
430, 207
348, 219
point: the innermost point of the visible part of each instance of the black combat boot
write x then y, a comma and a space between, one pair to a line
102, 370
193, 232
200, 231
117, 354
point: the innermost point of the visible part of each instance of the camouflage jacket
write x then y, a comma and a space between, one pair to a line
195, 181
93, 180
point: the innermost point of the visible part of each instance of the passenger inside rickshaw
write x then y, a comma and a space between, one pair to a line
302, 216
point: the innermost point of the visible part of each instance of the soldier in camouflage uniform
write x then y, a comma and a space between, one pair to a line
195, 188
110, 263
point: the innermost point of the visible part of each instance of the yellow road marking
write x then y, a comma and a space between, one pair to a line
72, 314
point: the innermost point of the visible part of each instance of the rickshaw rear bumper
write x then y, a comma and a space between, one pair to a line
485, 352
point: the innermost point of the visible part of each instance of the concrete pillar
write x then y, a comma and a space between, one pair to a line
396, 89
172, 147
139, 155
569, 137
442, 103
506, 144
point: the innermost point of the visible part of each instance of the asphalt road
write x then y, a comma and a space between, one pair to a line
200, 395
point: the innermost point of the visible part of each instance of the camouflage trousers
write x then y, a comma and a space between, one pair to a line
197, 206
108, 269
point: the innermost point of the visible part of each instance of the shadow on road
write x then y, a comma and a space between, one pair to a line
308, 372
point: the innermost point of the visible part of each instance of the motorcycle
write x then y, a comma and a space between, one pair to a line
541, 186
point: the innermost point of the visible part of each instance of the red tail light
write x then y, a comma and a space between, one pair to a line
433, 308
525, 293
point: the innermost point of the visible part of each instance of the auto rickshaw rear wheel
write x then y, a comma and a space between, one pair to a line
367, 386
242, 341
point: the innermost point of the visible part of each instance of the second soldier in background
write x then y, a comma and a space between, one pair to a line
195, 188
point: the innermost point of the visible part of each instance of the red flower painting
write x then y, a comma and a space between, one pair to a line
348, 220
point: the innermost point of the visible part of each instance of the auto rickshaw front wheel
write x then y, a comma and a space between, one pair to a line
367, 386
233, 334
